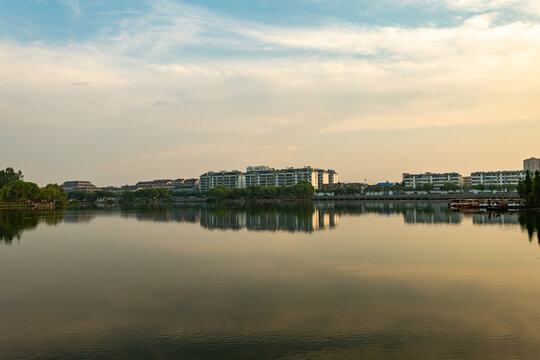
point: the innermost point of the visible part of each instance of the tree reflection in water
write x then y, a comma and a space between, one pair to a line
293, 217
530, 221
14, 222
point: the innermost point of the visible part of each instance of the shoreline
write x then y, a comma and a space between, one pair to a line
422, 197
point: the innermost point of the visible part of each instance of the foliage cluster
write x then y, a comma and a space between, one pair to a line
529, 189
9, 176
302, 190
91, 196
188, 194
13, 223
14, 190
147, 195
400, 189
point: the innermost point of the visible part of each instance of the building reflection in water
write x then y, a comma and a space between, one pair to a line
269, 217
495, 218
290, 218
303, 221
412, 212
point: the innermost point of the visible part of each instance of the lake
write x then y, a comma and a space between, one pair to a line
371, 280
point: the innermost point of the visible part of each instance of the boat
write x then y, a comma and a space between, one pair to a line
486, 204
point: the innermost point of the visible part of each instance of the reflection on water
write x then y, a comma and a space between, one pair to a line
531, 223
14, 223
413, 212
269, 217
389, 281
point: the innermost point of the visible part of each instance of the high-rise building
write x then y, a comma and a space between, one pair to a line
532, 165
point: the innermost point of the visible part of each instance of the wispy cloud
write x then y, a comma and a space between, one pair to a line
74, 7
173, 33
179, 83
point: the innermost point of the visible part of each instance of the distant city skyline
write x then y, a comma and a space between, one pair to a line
115, 92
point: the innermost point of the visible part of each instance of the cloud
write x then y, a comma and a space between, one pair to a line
74, 7
490, 5
175, 34
523, 7
180, 83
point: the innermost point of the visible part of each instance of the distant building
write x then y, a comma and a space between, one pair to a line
339, 185
386, 184
268, 177
114, 189
532, 165
191, 185
77, 185
413, 180
332, 177
292, 176
155, 184
258, 168
169, 184
128, 188
497, 177
230, 179
467, 181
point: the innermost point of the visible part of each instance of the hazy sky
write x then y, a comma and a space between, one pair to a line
120, 91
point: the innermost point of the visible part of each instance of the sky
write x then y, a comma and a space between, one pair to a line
115, 92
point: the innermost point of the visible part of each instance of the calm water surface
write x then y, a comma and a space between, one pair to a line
367, 280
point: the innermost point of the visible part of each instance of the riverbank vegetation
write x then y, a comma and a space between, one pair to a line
399, 188
91, 197
145, 196
301, 191
14, 191
529, 189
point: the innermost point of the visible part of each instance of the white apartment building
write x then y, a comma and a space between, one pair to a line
413, 180
322, 178
292, 176
230, 179
497, 177
267, 177
260, 176
332, 177
532, 165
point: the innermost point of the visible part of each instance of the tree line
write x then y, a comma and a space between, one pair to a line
529, 189
400, 188
14, 190
302, 190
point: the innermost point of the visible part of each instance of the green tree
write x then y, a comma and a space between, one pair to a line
450, 187
535, 190
425, 187
52, 193
9, 175
525, 189
127, 196
20, 191
220, 193
479, 187
304, 190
